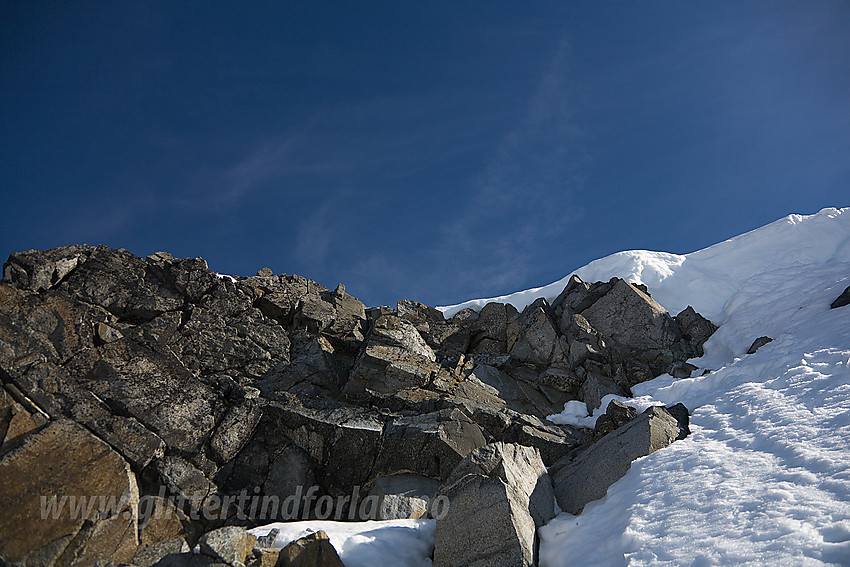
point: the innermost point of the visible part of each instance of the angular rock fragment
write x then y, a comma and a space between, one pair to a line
154, 553
585, 475
64, 460
314, 550
696, 329
616, 415
429, 445
36, 270
489, 332
758, 343
498, 497
537, 339
228, 545
630, 317
395, 357
841, 300
234, 430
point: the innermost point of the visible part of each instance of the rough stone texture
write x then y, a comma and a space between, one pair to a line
404, 496
758, 343
184, 480
16, 423
585, 475
395, 357
264, 558
416, 312
35, 270
578, 295
553, 442
160, 520
616, 415
315, 368
64, 459
340, 440
235, 429
152, 554
267, 541
596, 386
630, 317
314, 550
489, 332
538, 335
136, 382
696, 329
841, 300
498, 497
228, 544
430, 445
209, 386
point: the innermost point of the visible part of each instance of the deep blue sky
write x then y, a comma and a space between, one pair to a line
433, 150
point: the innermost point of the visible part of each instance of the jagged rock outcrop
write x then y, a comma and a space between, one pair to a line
841, 300
218, 392
585, 475
498, 496
314, 550
67, 498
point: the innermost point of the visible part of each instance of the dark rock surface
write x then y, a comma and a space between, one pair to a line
758, 343
207, 388
841, 300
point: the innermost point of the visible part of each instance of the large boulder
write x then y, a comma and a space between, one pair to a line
36, 270
41, 523
585, 475
695, 328
229, 544
430, 445
395, 357
537, 339
315, 368
340, 440
490, 331
124, 285
498, 497
314, 550
630, 317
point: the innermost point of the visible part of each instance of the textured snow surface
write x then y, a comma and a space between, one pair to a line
764, 478
706, 279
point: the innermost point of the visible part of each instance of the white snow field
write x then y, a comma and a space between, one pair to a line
401, 543
764, 477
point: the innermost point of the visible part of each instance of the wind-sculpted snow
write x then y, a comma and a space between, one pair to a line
763, 478
707, 278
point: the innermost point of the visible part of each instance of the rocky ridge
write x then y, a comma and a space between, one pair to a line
209, 397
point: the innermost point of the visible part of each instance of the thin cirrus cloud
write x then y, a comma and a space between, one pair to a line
528, 190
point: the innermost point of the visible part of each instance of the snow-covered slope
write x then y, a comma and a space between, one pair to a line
764, 478
707, 278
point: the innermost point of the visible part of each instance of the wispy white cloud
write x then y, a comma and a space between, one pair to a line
525, 197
